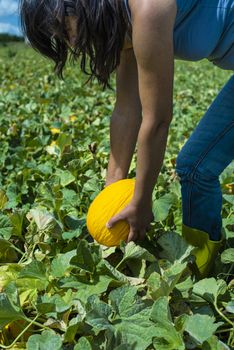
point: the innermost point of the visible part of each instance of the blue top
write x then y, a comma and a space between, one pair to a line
204, 29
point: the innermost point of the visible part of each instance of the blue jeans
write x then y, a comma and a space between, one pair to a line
209, 150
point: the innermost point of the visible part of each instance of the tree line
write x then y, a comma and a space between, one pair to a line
6, 38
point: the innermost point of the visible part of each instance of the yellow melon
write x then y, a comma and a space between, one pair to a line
109, 202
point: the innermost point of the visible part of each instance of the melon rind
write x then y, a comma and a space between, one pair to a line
107, 204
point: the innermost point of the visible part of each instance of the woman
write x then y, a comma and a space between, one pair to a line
140, 40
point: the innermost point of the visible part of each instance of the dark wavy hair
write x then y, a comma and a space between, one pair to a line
101, 29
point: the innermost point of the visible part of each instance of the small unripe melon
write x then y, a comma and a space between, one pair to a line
109, 202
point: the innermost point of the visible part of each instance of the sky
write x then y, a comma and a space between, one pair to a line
9, 19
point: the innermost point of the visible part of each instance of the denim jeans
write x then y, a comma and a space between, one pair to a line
208, 151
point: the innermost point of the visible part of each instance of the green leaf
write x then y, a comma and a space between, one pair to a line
47, 340
172, 275
134, 251
97, 309
61, 263
185, 287
7, 252
63, 141
62, 303
201, 327
157, 286
210, 289
73, 223
174, 247
229, 198
45, 221
137, 330
122, 300
69, 235
98, 314
230, 307
32, 285
129, 314
167, 336
35, 269
227, 257
132, 317
8, 311
84, 258
93, 186
105, 268
162, 206
8, 273
17, 219
5, 227
83, 344
227, 224
85, 288
45, 308
124, 347
107, 251
75, 326
45, 168
160, 312
33, 277
3, 199
213, 343
66, 177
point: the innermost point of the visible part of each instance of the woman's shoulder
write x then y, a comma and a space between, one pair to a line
133, 7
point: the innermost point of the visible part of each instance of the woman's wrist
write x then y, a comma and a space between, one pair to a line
110, 180
141, 201
150, 155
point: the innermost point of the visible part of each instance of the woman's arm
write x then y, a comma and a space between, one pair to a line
153, 23
126, 118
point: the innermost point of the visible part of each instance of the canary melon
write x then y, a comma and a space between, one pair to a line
107, 204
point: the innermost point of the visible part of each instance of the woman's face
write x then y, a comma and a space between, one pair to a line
71, 28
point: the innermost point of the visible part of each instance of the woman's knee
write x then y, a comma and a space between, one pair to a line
183, 166
194, 172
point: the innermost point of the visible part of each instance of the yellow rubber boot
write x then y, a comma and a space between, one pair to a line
206, 251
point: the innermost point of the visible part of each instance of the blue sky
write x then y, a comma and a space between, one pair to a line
9, 20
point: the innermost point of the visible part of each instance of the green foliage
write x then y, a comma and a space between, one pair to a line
73, 293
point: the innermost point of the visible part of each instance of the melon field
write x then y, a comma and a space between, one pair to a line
59, 289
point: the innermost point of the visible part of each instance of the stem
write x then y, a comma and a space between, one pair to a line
230, 338
224, 330
223, 316
219, 312
58, 212
230, 214
33, 248
230, 270
22, 258
21, 334
118, 265
36, 323
17, 249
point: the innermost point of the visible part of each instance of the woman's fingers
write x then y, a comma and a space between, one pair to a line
141, 235
136, 235
132, 235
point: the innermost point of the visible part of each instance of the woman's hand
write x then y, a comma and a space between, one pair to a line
138, 217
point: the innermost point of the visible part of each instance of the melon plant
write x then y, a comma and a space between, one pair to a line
79, 294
